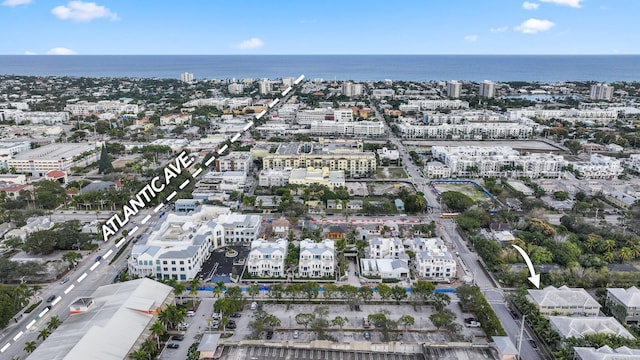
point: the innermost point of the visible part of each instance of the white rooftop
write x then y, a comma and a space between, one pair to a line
562, 297
629, 297
606, 353
578, 327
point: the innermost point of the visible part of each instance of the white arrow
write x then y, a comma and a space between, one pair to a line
534, 278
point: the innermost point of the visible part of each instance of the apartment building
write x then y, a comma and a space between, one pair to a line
352, 89
235, 161
601, 92
433, 260
177, 247
235, 88
317, 260
266, 258
467, 131
564, 301
599, 167
625, 304
240, 228
424, 105
385, 248
174, 119
356, 129
487, 89
186, 77
454, 89
323, 176
59, 156
34, 117
88, 108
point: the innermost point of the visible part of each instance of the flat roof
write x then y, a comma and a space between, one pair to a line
55, 151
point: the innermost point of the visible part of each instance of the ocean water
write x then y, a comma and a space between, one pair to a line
543, 68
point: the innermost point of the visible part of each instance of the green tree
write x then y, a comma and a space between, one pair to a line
158, 330
398, 293
53, 323
72, 258
218, 289
30, 346
442, 319
44, 333
456, 201
305, 319
104, 163
253, 290
365, 293
193, 288
385, 291
423, 290
340, 321
541, 255
406, 321
574, 146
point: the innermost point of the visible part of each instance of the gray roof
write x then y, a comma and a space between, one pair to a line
505, 345
110, 329
606, 353
578, 327
563, 296
629, 297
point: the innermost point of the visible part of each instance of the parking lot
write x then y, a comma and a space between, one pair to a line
275, 353
219, 267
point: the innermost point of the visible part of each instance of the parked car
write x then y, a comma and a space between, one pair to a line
254, 305
64, 281
236, 315
173, 345
231, 325
183, 325
51, 298
177, 337
533, 344
473, 324
269, 334
296, 334
98, 258
366, 335
191, 313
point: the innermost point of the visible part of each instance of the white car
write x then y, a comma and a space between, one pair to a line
191, 313
184, 325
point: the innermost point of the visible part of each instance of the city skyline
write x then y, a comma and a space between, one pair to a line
501, 27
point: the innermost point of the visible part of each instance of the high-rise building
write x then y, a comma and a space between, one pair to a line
601, 92
236, 88
350, 89
265, 86
288, 81
487, 89
186, 77
454, 88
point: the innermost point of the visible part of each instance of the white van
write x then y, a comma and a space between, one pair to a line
254, 305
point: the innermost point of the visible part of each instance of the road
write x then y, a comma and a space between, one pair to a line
493, 292
83, 282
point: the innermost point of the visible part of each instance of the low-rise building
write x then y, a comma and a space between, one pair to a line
433, 260
385, 248
323, 176
579, 326
281, 226
266, 258
317, 260
356, 129
388, 154
88, 108
234, 161
564, 301
277, 178
606, 353
599, 167
59, 156
175, 119
625, 304
240, 228
385, 268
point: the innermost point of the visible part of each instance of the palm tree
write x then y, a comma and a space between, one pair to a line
139, 355
626, 254
218, 289
608, 245
157, 329
149, 347
178, 289
253, 290
608, 257
165, 316
193, 288
53, 323
44, 333
29, 346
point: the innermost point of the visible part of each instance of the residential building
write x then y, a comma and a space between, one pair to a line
487, 89
599, 167
357, 129
234, 161
388, 154
266, 258
174, 119
350, 89
114, 321
223, 181
601, 92
323, 176
625, 304
424, 105
34, 117
240, 228
343, 115
59, 156
88, 108
433, 260
385, 248
454, 89
288, 81
317, 260
470, 130
264, 86
578, 327
564, 301
235, 88
347, 156
186, 77
9, 148
437, 170
281, 226
385, 268
278, 178
177, 247
606, 353
497, 161
382, 93
307, 117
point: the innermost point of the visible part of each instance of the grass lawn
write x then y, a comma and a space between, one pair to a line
390, 173
471, 191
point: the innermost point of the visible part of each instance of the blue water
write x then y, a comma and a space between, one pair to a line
543, 68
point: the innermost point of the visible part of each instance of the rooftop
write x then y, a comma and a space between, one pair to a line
629, 297
563, 297
578, 327
606, 353
56, 151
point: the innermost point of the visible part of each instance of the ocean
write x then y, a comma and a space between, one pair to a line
542, 68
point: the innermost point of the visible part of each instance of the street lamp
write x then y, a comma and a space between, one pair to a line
524, 316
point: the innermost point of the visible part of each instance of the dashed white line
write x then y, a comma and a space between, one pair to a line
273, 103
105, 256
157, 208
184, 184
5, 347
146, 218
30, 324
197, 172
284, 93
298, 80
57, 300
133, 231
43, 312
69, 289
211, 159
235, 137
171, 196
94, 266
119, 243
222, 149
18, 336
261, 114
82, 277
246, 127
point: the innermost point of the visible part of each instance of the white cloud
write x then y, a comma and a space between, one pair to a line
571, 3
530, 6
83, 11
252, 43
15, 2
533, 26
471, 38
61, 51
499, 29
29, 53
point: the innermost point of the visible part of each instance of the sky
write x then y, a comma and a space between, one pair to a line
299, 27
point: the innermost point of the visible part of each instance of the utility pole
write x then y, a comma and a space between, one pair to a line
524, 316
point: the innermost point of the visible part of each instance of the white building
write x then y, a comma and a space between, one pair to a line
235, 161
357, 129
437, 170
564, 301
497, 161
424, 105
433, 260
186, 77
382, 93
88, 108
470, 131
317, 260
177, 247
324, 176
240, 228
34, 117
599, 167
343, 115
388, 154
385, 248
625, 304
385, 268
308, 116
606, 353
580, 326
223, 181
454, 88
269, 178
174, 119
266, 259
487, 89
235, 88
350, 89
264, 86
601, 92
58, 156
